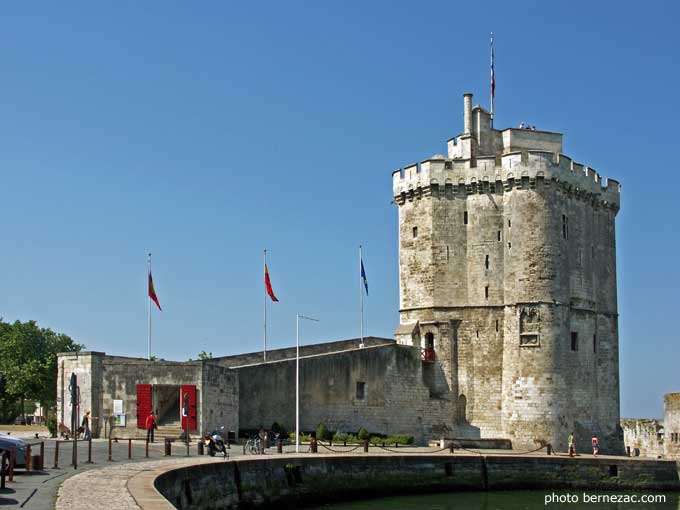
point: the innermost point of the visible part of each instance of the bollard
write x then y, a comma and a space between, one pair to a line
168, 447
279, 446
451, 447
28, 459
146, 449
344, 443
42, 455
313, 445
330, 442
56, 455
110, 443
3, 459
199, 447
129, 449
628, 451
548, 449
365, 445
89, 451
11, 465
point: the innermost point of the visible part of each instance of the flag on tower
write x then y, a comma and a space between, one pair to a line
152, 292
268, 284
363, 276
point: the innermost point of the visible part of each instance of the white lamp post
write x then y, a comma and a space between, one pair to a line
297, 377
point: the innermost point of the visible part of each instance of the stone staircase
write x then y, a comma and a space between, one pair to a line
171, 430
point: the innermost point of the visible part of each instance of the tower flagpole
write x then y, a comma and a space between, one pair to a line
148, 317
493, 81
265, 309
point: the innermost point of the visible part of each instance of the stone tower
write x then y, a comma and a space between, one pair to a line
507, 272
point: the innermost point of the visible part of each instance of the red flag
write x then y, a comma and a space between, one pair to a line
152, 292
268, 284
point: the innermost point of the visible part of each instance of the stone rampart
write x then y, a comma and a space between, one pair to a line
291, 482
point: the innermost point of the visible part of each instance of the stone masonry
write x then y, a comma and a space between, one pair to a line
507, 266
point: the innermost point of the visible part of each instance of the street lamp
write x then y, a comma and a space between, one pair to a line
297, 377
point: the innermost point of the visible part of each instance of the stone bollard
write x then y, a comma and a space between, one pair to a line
628, 451
89, 451
42, 455
365, 445
549, 449
451, 447
279, 446
313, 445
168, 447
129, 449
110, 449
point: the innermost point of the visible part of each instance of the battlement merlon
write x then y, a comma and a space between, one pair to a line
504, 173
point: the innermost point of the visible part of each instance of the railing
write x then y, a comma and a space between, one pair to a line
427, 354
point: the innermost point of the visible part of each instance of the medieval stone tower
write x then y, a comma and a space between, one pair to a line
507, 262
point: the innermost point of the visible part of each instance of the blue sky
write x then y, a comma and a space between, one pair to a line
205, 132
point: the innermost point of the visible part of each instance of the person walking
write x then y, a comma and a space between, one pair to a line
596, 446
572, 450
150, 427
86, 426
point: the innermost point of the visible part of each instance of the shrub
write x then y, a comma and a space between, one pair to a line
52, 426
322, 432
363, 434
399, 439
340, 437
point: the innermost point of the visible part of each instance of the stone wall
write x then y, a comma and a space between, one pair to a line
647, 435
396, 399
219, 398
672, 425
294, 482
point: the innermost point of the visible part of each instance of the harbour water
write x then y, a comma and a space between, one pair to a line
518, 500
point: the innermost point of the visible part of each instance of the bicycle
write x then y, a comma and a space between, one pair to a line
254, 446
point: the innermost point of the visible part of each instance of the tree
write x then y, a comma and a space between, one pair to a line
204, 355
28, 361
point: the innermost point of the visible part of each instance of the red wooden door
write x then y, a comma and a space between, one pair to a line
188, 389
143, 404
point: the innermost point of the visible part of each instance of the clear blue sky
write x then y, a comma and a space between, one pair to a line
205, 132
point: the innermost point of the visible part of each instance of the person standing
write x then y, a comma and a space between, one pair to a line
572, 450
86, 426
596, 446
150, 427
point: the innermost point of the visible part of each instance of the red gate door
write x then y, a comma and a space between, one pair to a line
188, 389
143, 404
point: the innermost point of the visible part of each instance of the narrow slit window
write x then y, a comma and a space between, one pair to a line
361, 390
509, 224
465, 217
574, 341
447, 253
415, 232
498, 236
565, 227
486, 292
486, 262
594, 343
496, 325
509, 246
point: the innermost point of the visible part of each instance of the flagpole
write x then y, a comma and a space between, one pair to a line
361, 297
493, 80
148, 317
265, 310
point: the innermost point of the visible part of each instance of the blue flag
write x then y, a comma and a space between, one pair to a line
363, 276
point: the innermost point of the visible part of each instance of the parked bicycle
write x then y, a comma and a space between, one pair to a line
254, 446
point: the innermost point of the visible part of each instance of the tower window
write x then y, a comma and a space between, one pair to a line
447, 253
477, 333
509, 223
574, 341
496, 325
415, 232
465, 217
499, 236
361, 390
565, 227
486, 262
509, 246
486, 292
594, 343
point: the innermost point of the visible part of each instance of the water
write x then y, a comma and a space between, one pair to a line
515, 500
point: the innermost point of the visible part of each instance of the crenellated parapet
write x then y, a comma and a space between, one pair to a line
526, 169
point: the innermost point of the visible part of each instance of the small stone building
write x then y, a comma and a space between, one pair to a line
656, 438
